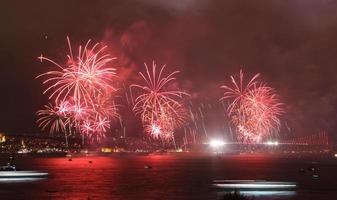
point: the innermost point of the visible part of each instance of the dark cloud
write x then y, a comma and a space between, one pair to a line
292, 43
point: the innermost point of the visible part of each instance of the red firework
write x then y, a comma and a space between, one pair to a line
160, 109
82, 76
52, 117
82, 90
254, 109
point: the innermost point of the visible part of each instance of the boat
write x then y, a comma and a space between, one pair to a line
7, 167
8, 173
254, 185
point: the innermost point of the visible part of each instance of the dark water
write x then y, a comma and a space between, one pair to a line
171, 177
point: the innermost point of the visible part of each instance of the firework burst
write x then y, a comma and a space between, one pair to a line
160, 108
83, 91
52, 117
82, 76
254, 109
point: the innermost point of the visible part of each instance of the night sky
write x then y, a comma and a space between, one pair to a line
293, 44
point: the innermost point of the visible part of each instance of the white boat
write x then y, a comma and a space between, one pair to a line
9, 174
260, 185
26, 174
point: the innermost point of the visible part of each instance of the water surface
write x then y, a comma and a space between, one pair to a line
182, 176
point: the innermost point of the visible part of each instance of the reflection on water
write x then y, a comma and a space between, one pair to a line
256, 188
171, 177
268, 193
16, 180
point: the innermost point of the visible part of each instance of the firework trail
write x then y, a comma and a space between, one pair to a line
196, 112
254, 109
52, 117
83, 91
160, 109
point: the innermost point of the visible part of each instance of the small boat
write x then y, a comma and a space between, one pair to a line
253, 185
7, 167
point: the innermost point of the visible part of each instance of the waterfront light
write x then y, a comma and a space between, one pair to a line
272, 143
216, 143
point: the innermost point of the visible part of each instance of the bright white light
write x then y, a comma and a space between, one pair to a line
215, 143
155, 129
271, 143
21, 174
335, 155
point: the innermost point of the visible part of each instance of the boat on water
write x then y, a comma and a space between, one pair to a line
9, 173
254, 185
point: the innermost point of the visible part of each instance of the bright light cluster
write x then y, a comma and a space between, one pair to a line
272, 143
216, 143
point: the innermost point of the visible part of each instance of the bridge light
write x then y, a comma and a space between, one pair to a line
216, 143
272, 143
